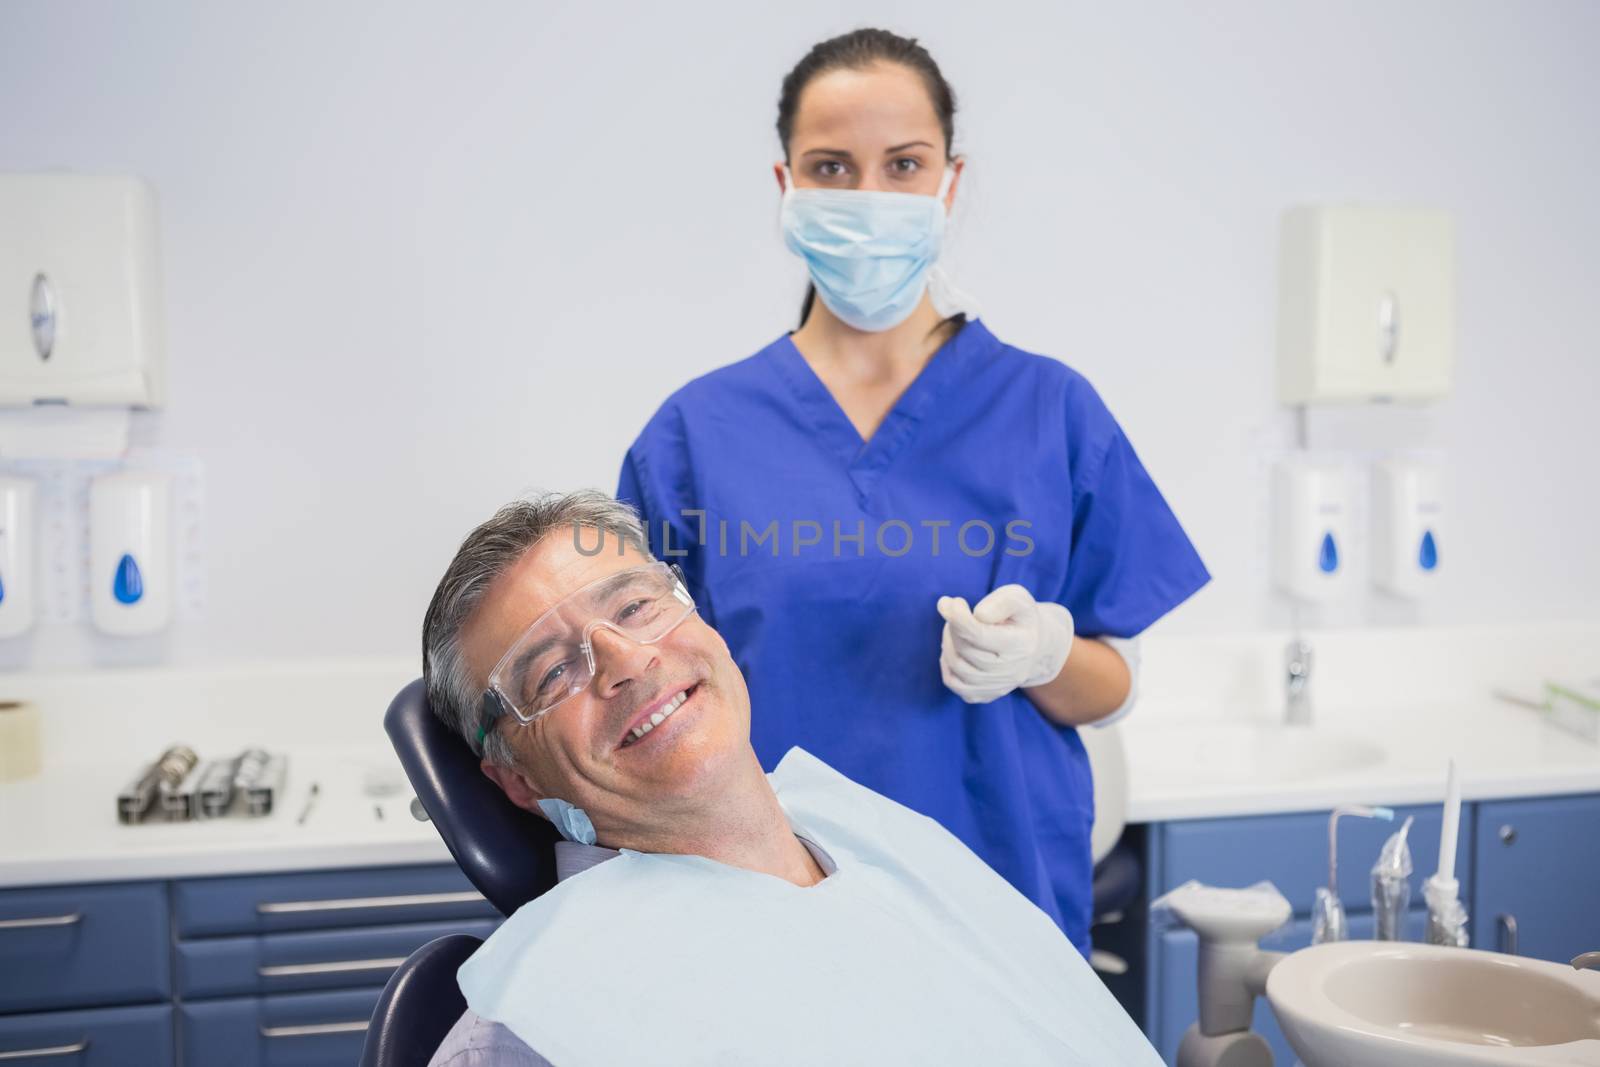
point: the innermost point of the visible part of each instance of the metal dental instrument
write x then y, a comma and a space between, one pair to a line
311, 802
259, 779
139, 797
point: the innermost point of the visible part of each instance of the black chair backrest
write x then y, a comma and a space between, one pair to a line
508, 853
419, 1005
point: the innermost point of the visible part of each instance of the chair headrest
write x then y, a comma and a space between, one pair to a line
508, 853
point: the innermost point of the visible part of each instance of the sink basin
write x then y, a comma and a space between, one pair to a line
1242, 752
1394, 1004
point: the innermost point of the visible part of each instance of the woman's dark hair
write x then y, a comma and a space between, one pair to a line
858, 50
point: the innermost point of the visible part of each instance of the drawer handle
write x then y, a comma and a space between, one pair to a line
358, 903
1508, 933
43, 1053
34, 924
313, 1029
285, 970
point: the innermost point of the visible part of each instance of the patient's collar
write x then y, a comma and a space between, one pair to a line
573, 858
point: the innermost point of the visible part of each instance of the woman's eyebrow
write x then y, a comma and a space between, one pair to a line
841, 153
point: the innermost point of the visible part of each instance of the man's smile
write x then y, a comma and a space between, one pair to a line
654, 714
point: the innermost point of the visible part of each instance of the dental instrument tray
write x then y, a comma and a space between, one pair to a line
179, 787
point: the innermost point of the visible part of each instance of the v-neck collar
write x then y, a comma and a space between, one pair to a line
865, 461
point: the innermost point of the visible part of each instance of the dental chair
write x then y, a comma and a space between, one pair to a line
509, 855
506, 853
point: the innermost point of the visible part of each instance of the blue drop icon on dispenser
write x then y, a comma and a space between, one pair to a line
1328, 556
1428, 555
128, 585
2, 592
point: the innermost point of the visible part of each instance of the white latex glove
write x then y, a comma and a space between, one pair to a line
1008, 641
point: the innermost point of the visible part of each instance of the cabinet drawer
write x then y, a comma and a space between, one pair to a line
1291, 851
295, 1030
1178, 993
322, 899
317, 959
1538, 874
79, 946
104, 1037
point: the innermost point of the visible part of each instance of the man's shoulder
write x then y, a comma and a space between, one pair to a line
477, 1042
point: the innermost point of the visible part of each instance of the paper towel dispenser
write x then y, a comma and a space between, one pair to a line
1366, 304
80, 292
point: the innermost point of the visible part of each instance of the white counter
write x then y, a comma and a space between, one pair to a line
1204, 742
61, 827
1392, 757
1208, 738
100, 727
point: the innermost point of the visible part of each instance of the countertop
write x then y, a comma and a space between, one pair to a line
1206, 741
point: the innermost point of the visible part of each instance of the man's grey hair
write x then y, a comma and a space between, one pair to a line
456, 698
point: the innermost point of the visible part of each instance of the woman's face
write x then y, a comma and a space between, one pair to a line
872, 129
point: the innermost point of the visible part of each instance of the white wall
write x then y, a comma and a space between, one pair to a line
422, 258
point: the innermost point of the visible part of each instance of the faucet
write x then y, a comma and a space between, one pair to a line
1297, 693
1587, 959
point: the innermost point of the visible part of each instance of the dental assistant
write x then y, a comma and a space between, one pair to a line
916, 539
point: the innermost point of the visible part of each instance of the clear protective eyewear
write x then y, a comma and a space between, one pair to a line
553, 660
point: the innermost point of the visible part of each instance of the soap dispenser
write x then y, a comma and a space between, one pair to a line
1311, 504
130, 553
16, 556
1407, 513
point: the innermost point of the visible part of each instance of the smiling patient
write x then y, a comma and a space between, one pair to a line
717, 914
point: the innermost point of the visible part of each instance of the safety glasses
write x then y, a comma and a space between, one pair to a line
553, 660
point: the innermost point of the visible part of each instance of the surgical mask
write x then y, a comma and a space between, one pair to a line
569, 819
868, 253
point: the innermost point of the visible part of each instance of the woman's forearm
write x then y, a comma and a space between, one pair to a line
1093, 683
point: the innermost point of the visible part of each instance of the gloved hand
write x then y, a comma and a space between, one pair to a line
1008, 641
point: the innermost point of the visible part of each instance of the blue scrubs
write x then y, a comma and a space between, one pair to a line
819, 558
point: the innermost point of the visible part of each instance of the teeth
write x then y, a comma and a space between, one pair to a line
659, 717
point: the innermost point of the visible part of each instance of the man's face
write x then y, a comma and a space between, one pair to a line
583, 751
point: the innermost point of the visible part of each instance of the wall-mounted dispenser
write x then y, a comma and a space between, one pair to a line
130, 553
1311, 528
1407, 510
80, 292
17, 537
1365, 304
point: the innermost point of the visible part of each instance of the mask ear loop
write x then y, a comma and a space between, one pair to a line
947, 298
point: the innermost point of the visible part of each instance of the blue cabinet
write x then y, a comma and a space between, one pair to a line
1291, 852
280, 969
79, 946
316, 959
1537, 877
102, 1037
292, 1030
208, 907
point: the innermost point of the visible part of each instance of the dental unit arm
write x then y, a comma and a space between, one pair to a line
1233, 968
